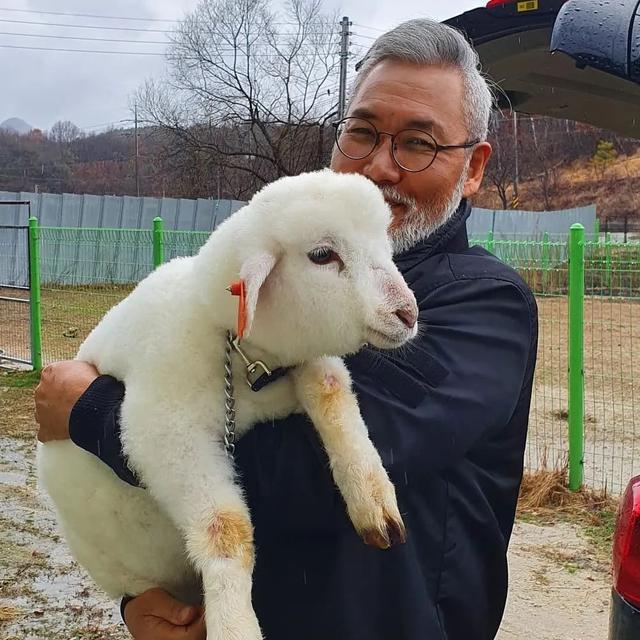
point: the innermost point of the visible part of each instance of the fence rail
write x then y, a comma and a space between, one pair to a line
588, 294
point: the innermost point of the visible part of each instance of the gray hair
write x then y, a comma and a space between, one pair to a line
424, 41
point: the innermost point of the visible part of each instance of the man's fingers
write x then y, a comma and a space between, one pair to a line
158, 603
174, 611
197, 631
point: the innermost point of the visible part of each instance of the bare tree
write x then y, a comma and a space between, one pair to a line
251, 90
64, 132
501, 168
542, 144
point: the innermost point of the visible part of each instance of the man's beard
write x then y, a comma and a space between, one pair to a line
419, 222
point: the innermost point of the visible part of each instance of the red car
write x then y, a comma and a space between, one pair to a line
624, 616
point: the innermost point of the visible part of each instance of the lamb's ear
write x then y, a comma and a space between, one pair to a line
254, 272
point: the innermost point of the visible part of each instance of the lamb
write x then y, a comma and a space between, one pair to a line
316, 265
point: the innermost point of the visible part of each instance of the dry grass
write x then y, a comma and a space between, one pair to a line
545, 498
17, 413
547, 490
7, 614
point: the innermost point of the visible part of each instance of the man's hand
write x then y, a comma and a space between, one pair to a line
155, 615
61, 384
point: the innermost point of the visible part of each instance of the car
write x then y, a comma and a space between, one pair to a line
578, 60
573, 59
624, 613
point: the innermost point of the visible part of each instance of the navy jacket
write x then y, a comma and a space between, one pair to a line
449, 416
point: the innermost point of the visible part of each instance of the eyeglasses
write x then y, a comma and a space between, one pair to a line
412, 149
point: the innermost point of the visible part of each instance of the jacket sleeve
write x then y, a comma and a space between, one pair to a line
94, 425
459, 383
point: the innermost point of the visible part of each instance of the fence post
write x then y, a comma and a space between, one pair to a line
607, 259
158, 242
490, 243
576, 357
34, 294
596, 230
546, 259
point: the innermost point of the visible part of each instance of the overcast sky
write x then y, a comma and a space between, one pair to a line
93, 90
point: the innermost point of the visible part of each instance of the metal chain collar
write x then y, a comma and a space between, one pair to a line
229, 402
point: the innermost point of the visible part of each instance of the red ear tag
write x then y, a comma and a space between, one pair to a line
237, 289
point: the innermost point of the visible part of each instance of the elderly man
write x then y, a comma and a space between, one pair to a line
448, 415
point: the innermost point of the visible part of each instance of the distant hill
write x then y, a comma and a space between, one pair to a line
16, 125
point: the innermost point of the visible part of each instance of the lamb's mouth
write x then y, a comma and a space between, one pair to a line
384, 340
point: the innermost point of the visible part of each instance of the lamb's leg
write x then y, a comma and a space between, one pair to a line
186, 470
324, 391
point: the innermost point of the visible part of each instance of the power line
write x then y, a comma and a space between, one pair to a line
42, 35
360, 35
327, 34
103, 124
87, 15
125, 53
364, 26
160, 42
83, 26
141, 53
103, 17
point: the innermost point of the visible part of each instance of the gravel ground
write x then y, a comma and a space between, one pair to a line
559, 584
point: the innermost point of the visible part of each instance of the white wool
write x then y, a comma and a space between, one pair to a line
166, 342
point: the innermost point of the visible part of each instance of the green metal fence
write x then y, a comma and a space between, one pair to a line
588, 374
588, 294
85, 272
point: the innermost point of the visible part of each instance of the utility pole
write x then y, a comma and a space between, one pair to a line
344, 55
137, 152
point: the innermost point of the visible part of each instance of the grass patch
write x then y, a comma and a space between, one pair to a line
545, 499
20, 379
600, 530
7, 614
17, 414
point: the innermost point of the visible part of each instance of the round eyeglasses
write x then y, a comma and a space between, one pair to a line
413, 150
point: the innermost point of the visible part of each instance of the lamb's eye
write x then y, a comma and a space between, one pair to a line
323, 255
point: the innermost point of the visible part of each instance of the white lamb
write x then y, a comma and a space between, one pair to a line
317, 265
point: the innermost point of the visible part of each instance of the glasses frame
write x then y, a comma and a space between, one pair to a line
438, 147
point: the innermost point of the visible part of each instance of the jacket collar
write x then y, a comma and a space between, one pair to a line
450, 237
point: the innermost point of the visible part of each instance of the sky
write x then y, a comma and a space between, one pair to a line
94, 90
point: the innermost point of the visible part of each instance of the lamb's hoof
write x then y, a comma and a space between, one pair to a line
394, 533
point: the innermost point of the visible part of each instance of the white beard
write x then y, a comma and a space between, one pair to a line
419, 222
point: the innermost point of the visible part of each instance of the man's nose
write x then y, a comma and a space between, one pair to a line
380, 166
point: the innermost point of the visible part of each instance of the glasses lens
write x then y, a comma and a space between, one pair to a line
414, 150
356, 138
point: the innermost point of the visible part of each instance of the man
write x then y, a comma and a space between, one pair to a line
448, 414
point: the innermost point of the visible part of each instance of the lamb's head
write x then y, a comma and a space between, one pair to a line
318, 269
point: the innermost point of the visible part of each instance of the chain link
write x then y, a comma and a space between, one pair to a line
229, 402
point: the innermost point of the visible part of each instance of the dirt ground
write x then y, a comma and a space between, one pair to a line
559, 585
559, 580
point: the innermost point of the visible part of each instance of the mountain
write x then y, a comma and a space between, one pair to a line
17, 125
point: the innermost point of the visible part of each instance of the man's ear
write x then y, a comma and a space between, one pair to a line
254, 273
477, 164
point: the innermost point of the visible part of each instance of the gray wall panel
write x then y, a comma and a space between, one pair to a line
127, 260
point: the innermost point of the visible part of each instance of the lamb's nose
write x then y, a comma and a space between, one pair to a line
408, 316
